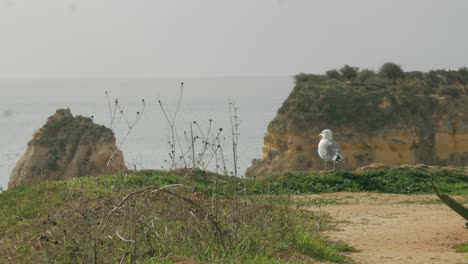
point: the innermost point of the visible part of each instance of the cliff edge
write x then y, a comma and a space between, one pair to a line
65, 147
408, 118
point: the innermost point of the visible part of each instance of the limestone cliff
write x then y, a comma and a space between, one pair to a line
419, 118
66, 147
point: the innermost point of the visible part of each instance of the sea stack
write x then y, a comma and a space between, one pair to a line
68, 146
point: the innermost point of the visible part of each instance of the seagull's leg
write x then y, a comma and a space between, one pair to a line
334, 166
325, 166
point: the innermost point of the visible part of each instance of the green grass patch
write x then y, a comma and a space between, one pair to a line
462, 248
391, 180
68, 222
291, 201
321, 249
246, 220
26, 202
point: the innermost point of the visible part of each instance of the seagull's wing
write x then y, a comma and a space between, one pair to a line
335, 152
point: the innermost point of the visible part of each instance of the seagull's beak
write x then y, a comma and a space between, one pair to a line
319, 135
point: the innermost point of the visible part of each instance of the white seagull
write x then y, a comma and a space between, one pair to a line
328, 149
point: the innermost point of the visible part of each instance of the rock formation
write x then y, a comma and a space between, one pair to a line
421, 118
67, 147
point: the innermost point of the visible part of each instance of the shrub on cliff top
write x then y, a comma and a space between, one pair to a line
358, 104
391, 70
349, 72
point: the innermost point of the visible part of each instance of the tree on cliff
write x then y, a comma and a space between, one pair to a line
333, 74
349, 72
365, 74
391, 71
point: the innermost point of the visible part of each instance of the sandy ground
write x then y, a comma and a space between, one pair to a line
393, 228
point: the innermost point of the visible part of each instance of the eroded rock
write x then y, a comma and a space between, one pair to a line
68, 146
392, 123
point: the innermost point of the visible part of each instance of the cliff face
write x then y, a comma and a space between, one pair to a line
394, 123
66, 147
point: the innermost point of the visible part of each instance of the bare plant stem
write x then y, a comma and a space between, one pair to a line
166, 189
110, 109
192, 140
212, 143
123, 257
234, 133
171, 121
139, 114
133, 194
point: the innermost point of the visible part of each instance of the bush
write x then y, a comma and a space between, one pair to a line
325, 100
365, 74
348, 72
450, 91
391, 71
333, 74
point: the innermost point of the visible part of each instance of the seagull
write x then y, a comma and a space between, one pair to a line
328, 149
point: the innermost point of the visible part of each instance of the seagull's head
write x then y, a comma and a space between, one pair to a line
326, 134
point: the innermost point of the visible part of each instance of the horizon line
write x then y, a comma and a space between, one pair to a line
140, 78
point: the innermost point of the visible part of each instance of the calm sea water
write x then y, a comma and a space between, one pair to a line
25, 106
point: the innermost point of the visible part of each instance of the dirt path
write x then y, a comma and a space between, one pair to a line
390, 228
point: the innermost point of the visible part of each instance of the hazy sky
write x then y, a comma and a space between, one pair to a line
88, 39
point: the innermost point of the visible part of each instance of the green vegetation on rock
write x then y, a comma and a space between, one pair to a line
368, 101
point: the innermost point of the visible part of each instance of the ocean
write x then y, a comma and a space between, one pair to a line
26, 105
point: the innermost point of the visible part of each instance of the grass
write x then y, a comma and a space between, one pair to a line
251, 220
68, 222
321, 249
25, 202
462, 248
391, 180
290, 201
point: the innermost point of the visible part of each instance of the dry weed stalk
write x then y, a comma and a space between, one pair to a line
174, 137
167, 190
234, 133
202, 147
129, 124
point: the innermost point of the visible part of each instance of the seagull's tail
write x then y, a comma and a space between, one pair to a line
339, 158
